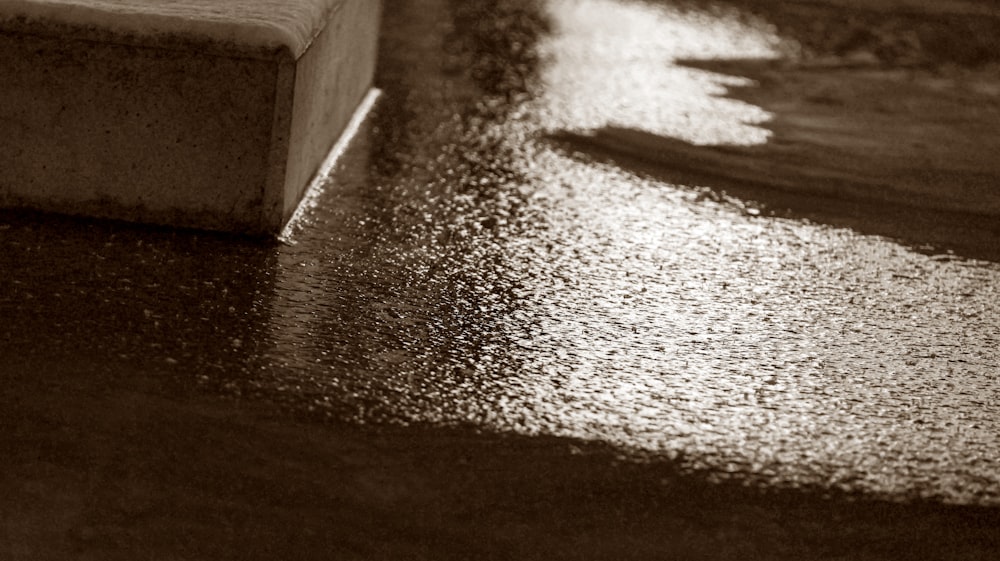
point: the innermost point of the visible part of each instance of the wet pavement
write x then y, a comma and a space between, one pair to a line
466, 266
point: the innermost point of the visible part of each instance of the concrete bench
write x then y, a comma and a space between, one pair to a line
212, 114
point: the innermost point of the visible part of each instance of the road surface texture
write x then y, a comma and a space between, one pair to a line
578, 289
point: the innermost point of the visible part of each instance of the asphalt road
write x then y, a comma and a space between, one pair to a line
467, 269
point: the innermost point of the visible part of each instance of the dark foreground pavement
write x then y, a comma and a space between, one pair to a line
94, 471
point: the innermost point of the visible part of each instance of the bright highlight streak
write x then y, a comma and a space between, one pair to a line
322, 177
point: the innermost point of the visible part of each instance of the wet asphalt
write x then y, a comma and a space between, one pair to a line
465, 267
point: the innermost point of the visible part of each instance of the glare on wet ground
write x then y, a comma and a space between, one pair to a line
611, 63
573, 298
463, 268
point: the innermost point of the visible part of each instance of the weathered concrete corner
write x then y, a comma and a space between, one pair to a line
194, 113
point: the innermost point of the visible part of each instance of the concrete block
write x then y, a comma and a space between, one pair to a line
212, 114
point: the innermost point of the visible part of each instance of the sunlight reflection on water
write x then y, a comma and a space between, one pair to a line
612, 63
488, 277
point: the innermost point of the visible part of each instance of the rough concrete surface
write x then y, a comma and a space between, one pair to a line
202, 128
291, 24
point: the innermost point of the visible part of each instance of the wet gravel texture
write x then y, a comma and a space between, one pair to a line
464, 268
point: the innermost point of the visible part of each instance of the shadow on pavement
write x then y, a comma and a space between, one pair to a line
105, 473
748, 174
884, 120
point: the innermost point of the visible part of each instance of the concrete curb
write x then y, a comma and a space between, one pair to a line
202, 118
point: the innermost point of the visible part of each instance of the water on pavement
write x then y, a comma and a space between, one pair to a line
464, 268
